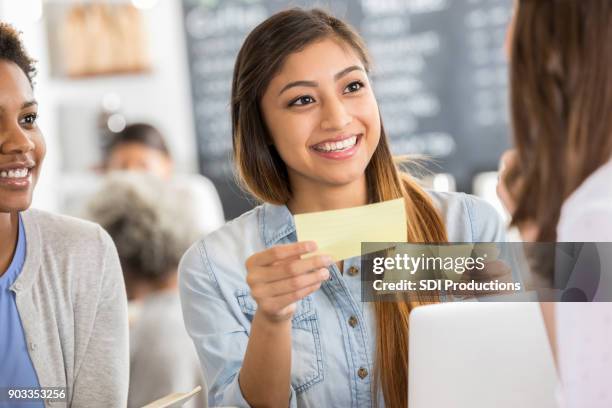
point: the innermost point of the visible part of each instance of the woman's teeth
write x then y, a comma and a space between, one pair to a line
336, 146
14, 173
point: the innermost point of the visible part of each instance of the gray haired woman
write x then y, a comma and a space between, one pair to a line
63, 311
150, 221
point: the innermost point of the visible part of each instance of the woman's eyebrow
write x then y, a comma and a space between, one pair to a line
311, 84
345, 71
27, 104
314, 84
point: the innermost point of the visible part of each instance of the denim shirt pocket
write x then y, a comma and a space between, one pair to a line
306, 355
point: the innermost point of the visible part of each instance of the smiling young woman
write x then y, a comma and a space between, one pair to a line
63, 310
272, 329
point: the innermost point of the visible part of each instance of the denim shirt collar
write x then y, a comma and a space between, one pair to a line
276, 223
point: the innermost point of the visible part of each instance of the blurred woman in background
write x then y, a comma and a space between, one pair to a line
63, 311
151, 229
140, 147
557, 183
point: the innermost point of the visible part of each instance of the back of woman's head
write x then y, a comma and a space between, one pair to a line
149, 222
561, 97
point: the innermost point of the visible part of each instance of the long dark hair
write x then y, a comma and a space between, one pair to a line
561, 101
264, 174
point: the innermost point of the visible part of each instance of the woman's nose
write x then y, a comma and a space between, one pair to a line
335, 115
14, 140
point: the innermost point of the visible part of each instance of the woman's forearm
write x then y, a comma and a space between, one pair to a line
265, 376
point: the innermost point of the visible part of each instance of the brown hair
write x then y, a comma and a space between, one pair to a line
264, 174
139, 133
561, 99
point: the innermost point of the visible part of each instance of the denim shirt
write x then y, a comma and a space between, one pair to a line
333, 332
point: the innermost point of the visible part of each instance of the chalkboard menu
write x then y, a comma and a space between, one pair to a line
439, 75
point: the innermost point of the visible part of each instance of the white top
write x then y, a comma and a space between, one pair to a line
586, 216
198, 195
584, 330
163, 359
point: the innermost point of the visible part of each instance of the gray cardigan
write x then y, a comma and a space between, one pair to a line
72, 303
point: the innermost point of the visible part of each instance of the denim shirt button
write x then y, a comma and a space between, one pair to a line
362, 373
352, 271
352, 321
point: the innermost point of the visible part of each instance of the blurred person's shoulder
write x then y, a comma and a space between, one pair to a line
586, 215
195, 187
199, 196
595, 191
163, 357
468, 218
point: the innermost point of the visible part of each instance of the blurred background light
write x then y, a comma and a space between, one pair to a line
22, 12
111, 102
144, 4
116, 123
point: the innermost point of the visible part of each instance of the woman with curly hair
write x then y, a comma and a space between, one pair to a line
152, 227
63, 309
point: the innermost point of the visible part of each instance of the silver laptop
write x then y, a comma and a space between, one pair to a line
480, 355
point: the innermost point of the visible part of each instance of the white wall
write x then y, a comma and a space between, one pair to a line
162, 97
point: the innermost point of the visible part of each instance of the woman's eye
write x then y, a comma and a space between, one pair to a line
29, 120
353, 87
302, 100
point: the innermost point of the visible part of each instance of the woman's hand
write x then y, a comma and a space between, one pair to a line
278, 278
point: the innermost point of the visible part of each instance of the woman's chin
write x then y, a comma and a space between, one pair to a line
344, 179
12, 204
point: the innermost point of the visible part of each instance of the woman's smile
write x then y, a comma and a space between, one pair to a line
16, 176
339, 148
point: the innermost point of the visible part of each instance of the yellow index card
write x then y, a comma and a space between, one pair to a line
339, 233
174, 400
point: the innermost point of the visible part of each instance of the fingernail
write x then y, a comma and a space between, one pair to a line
327, 260
311, 246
